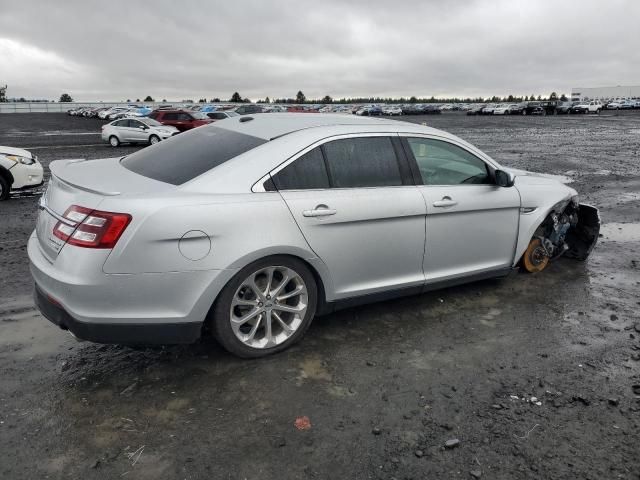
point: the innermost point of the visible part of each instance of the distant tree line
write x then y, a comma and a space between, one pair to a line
300, 98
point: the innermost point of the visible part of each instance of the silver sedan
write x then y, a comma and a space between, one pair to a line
136, 130
254, 225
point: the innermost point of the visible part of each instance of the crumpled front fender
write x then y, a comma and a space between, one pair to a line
582, 238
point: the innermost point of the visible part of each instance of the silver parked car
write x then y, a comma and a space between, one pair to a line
136, 130
253, 225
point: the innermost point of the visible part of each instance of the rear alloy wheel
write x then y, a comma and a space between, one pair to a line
265, 308
153, 139
5, 188
535, 258
113, 141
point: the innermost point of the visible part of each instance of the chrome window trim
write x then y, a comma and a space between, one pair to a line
258, 187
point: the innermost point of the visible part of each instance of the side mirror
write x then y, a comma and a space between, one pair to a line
504, 179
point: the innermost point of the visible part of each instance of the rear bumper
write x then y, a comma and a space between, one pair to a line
129, 333
143, 308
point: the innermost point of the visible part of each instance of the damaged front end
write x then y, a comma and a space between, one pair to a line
571, 229
582, 237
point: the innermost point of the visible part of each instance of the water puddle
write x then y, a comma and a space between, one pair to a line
621, 232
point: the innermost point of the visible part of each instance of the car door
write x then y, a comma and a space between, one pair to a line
138, 131
472, 224
170, 118
355, 203
184, 122
120, 127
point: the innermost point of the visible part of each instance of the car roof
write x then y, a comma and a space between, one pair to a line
269, 126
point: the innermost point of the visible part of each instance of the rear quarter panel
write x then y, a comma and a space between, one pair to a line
240, 228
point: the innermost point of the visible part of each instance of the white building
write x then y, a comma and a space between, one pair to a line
605, 93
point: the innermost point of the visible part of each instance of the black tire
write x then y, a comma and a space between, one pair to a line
219, 316
114, 141
153, 139
5, 188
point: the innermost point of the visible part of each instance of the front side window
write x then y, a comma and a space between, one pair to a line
170, 116
362, 162
306, 172
442, 163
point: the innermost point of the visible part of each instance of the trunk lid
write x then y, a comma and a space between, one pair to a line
85, 183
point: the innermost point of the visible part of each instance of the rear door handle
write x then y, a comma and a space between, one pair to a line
445, 202
319, 211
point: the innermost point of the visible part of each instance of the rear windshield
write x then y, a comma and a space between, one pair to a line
183, 157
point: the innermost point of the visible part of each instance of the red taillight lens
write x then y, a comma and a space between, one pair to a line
93, 228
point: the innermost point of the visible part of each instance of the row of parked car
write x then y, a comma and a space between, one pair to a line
140, 124
547, 108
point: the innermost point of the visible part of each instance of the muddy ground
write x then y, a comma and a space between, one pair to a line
384, 386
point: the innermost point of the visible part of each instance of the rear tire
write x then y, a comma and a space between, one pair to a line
249, 292
114, 141
5, 188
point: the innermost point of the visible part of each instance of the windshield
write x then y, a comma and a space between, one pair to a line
232, 114
184, 157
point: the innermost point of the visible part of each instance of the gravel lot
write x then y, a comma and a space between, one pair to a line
384, 386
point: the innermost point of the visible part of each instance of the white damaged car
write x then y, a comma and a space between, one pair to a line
248, 227
19, 170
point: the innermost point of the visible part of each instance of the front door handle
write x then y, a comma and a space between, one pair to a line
445, 202
319, 211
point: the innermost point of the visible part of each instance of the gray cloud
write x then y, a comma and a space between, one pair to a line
190, 49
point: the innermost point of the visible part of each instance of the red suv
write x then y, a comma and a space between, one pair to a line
181, 119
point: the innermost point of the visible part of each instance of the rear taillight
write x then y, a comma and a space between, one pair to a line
91, 228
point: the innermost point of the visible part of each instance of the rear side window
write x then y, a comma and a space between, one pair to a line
307, 172
362, 162
188, 155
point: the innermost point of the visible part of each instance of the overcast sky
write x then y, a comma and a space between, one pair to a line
115, 50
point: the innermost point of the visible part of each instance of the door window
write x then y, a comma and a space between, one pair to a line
306, 172
442, 163
170, 116
362, 162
